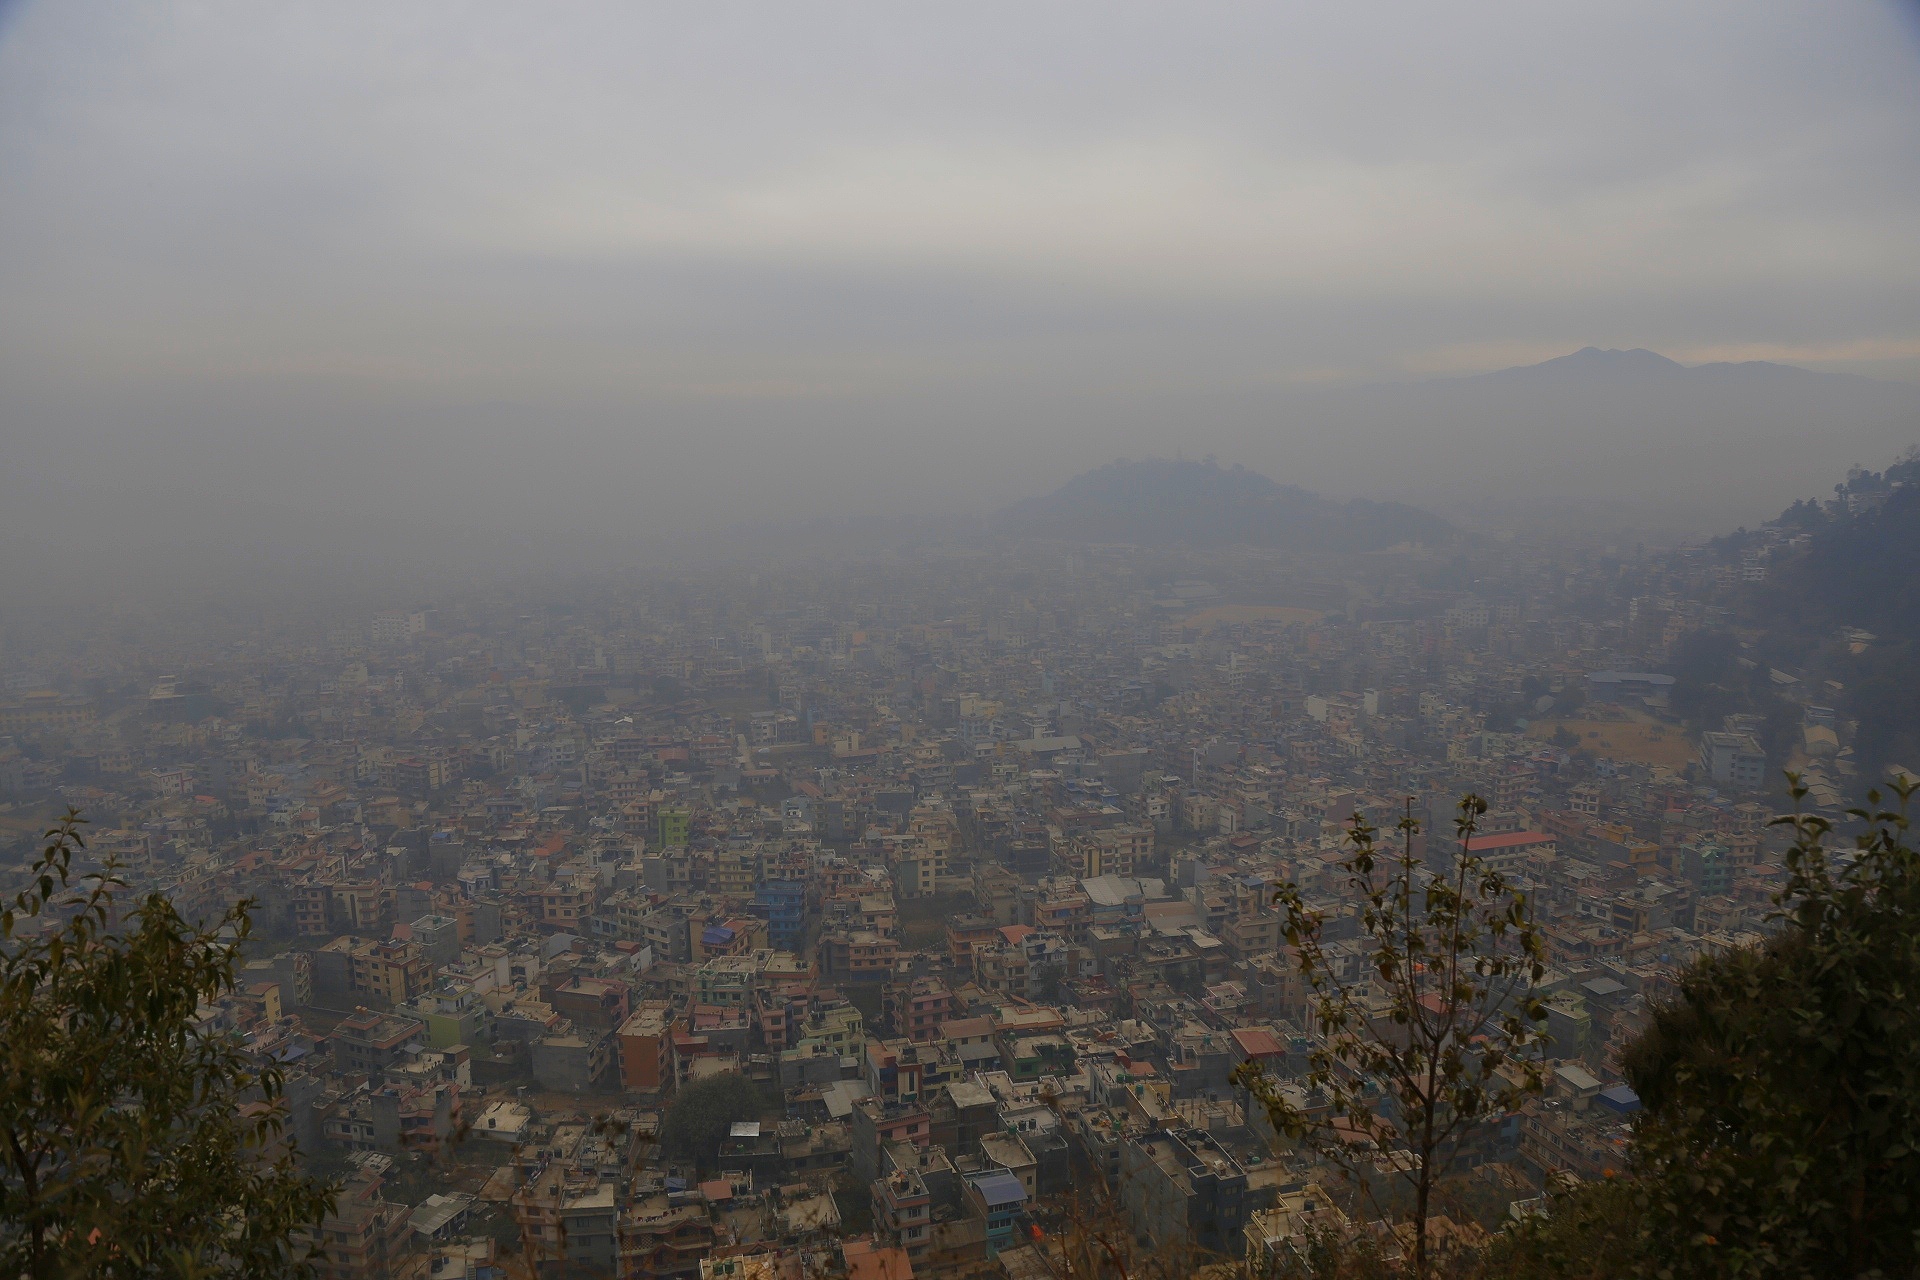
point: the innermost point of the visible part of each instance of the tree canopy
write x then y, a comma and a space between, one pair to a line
1781, 1134
699, 1117
132, 1142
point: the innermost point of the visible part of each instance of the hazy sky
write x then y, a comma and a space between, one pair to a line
507, 261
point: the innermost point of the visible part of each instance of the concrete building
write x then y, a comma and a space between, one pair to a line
1183, 1185
573, 1061
369, 1042
645, 1050
1733, 759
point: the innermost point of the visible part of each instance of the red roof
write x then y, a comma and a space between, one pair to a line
864, 1262
1257, 1042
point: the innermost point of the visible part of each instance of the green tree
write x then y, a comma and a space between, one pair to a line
1706, 674
131, 1143
1590, 1231
699, 1117
1043, 980
1781, 1129
1436, 1039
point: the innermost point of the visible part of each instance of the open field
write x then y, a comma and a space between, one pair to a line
1642, 739
23, 827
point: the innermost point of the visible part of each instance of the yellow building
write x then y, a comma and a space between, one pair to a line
389, 971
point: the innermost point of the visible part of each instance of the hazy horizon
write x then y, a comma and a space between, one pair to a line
293, 290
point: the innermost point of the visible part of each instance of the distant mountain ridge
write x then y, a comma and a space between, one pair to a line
1640, 364
1167, 501
1619, 444
1597, 361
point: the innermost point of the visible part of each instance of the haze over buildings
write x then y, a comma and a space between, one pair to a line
851, 549
963, 854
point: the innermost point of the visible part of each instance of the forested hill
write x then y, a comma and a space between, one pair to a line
1850, 565
1859, 565
1164, 501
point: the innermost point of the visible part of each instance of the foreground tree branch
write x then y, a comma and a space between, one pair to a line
1437, 1038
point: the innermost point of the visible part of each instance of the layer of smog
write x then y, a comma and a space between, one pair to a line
995, 643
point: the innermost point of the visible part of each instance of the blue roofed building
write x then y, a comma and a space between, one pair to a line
1001, 1199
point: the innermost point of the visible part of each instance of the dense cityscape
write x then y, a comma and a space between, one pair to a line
959, 642
964, 859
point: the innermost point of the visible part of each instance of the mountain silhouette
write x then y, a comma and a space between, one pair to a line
1631, 441
1166, 501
